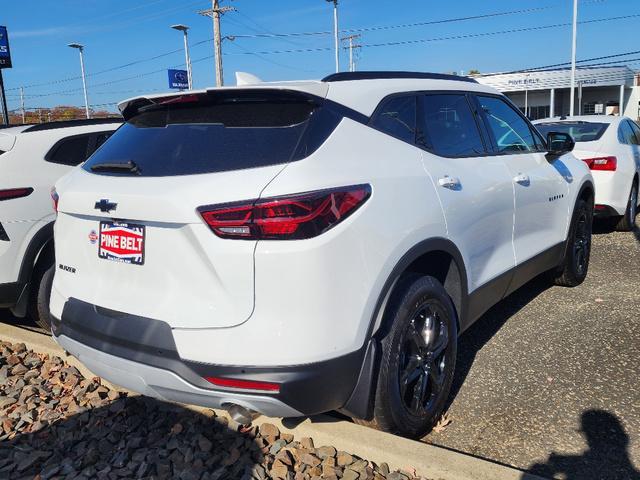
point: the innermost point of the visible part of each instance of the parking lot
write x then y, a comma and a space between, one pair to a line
547, 380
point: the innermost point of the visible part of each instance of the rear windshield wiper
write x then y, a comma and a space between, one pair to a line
129, 166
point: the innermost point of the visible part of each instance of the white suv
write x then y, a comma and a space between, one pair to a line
293, 248
610, 146
32, 158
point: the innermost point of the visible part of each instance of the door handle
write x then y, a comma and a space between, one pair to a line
522, 179
452, 183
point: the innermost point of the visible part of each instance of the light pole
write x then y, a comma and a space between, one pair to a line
183, 29
573, 58
84, 80
335, 31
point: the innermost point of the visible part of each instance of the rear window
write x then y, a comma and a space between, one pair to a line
579, 131
214, 133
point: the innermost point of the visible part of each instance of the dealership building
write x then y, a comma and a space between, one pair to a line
546, 93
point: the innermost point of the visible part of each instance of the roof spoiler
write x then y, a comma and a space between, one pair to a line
244, 78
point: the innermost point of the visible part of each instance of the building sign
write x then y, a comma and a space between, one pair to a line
178, 79
547, 79
5, 53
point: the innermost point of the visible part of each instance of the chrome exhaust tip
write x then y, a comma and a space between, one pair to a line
240, 414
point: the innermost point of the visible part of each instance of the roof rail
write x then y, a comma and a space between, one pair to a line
373, 75
71, 123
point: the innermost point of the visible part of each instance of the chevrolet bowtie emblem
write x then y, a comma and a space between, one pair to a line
105, 205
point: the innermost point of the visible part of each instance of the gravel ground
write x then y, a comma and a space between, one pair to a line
548, 380
56, 424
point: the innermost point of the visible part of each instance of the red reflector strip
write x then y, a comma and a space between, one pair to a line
244, 384
600, 207
602, 163
15, 193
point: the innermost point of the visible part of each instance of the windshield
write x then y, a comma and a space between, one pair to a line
205, 134
579, 131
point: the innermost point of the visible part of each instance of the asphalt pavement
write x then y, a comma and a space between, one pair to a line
548, 380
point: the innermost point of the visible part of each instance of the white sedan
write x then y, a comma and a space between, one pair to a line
611, 147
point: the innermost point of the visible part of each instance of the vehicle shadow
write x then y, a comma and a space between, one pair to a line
136, 437
473, 339
605, 457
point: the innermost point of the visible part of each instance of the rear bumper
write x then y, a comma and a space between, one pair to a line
604, 211
140, 354
10, 293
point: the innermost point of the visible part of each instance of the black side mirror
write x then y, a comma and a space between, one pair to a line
559, 143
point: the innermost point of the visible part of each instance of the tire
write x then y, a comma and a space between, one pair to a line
418, 359
40, 296
575, 263
627, 222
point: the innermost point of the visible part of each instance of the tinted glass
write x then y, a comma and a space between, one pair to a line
579, 131
628, 134
636, 130
100, 139
397, 117
206, 135
70, 151
510, 131
450, 127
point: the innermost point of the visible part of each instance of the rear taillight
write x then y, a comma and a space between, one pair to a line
602, 163
54, 199
12, 193
244, 384
292, 217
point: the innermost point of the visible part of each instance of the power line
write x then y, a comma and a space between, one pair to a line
283, 35
406, 25
438, 39
545, 67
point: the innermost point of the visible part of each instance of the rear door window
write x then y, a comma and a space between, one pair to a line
511, 132
397, 117
70, 151
450, 128
211, 133
76, 149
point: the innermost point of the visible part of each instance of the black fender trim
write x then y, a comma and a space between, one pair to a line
361, 400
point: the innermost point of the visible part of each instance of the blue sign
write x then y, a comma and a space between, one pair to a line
5, 53
178, 79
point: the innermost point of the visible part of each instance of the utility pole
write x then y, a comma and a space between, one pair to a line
573, 58
5, 112
214, 12
351, 38
84, 80
335, 32
22, 104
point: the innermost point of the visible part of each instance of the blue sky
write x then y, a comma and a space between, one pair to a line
118, 32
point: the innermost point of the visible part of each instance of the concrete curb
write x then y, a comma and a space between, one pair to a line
399, 453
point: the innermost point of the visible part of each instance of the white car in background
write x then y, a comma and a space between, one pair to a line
32, 159
611, 147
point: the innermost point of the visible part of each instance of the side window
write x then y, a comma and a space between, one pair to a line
628, 136
70, 151
510, 131
397, 117
99, 139
450, 128
636, 131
